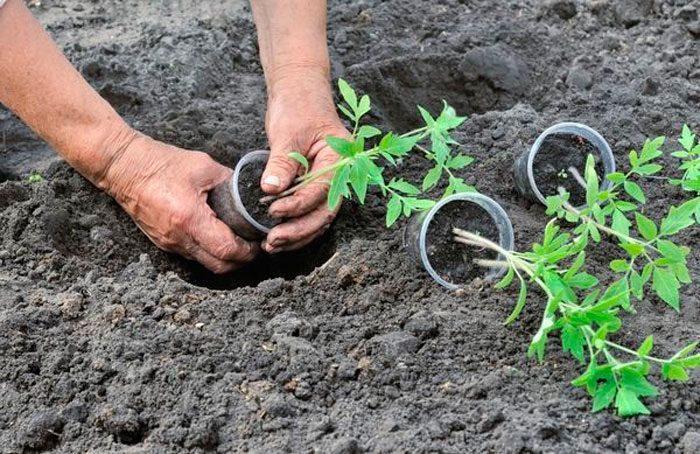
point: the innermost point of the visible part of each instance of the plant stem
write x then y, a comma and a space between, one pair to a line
311, 177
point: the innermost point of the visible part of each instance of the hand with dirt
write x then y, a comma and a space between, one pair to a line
300, 114
163, 188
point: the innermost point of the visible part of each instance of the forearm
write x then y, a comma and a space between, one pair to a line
44, 90
292, 38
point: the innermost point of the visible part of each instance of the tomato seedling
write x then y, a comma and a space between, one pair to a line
364, 154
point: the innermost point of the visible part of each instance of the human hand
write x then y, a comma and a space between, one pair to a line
300, 114
164, 190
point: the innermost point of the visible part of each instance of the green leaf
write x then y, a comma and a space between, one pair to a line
341, 146
651, 149
519, 305
573, 340
646, 346
348, 94
359, 177
634, 191
404, 186
687, 138
367, 132
507, 279
604, 395
628, 404
616, 177
680, 218
648, 169
347, 112
364, 106
619, 266
665, 284
432, 178
633, 249
592, 183
669, 250
459, 162
301, 159
448, 118
429, 120
646, 227
393, 210
582, 281
674, 372
339, 187
620, 223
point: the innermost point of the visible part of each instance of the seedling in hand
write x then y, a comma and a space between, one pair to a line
364, 156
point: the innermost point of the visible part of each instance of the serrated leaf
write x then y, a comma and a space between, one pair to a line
301, 159
427, 118
666, 286
646, 226
674, 372
338, 188
616, 177
634, 191
363, 106
573, 341
359, 178
343, 147
620, 223
604, 395
650, 150
350, 115
628, 404
404, 186
393, 210
619, 266
687, 138
348, 94
367, 132
633, 249
646, 346
679, 218
432, 178
582, 281
459, 162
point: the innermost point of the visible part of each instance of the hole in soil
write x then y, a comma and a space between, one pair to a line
286, 265
6, 175
484, 79
554, 160
453, 261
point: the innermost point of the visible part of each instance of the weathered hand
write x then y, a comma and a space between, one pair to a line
300, 115
164, 189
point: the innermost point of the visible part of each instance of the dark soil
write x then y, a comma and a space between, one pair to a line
251, 193
453, 261
559, 153
105, 347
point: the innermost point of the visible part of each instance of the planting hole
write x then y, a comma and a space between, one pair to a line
453, 261
286, 265
557, 162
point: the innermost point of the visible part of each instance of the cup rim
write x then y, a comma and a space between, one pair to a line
257, 155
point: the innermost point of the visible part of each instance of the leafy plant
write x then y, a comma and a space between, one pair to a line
690, 154
365, 154
578, 308
35, 177
651, 255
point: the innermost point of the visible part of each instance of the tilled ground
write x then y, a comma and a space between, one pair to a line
106, 346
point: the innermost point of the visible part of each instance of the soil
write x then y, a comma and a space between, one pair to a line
106, 347
559, 153
251, 193
453, 261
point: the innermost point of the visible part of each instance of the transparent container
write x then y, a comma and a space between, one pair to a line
417, 229
523, 167
225, 200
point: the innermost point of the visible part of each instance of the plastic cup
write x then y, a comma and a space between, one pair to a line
522, 169
417, 230
225, 200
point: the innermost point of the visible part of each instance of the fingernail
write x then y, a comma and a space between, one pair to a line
272, 180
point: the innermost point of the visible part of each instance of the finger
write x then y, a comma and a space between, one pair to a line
214, 237
294, 246
301, 202
211, 263
207, 173
307, 199
295, 231
280, 170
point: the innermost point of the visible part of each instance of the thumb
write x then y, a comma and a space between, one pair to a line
280, 170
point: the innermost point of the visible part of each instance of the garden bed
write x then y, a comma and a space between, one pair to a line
105, 342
